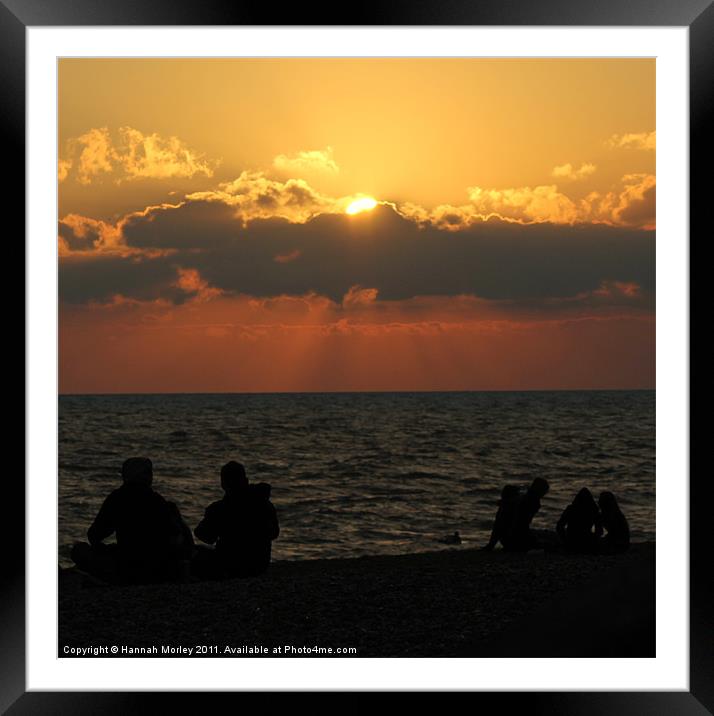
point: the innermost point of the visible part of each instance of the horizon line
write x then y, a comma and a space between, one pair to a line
364, 392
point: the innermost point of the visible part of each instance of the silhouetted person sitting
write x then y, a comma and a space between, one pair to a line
505, 515
580, 526
617, 538
452, 539
153, 543
242, 525
520, 537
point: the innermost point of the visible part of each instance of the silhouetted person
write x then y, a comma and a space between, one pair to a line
617, 538
153, 543
520, 537
242, 525
580, 526
452, 539
505, 515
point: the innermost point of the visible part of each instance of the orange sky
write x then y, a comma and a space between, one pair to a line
206, 246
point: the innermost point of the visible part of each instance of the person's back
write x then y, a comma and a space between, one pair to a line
520, 537
137, 514
242, 526
615, 523
505, 515
150, 542
576, 524
141, 520
262, 529
231, 523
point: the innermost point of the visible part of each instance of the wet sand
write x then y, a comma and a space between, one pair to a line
460, 602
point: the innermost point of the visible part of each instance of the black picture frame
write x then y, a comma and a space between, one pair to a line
697, 15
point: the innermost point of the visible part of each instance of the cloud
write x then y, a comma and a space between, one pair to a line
633, 204
637, 202
92, 153
100, 278
622, 288
154, 157
307, 162
63, 167
541, 203
361, 307
206, 219
82, 234
640, 140
568, 171
191, 283
188, 225
287, 258
358, 296
309, 307
133, 156
444, 217
380, 255
306, 343
629, 203
253, 195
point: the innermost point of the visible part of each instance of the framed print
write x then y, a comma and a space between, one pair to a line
362, 343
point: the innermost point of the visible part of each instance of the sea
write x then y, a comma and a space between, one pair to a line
356, 474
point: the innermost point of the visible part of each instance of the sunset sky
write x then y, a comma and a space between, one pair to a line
356, 224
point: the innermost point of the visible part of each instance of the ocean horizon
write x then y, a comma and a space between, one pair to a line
367, 392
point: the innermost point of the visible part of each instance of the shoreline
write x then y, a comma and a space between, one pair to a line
459, 602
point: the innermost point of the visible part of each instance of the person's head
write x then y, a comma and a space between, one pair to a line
233, 477
584, 500
509, 493
539, 487
137, 471
607, 502
261, 490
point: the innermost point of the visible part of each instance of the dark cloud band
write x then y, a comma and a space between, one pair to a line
381, 249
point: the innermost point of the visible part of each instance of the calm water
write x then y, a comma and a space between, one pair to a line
364, 473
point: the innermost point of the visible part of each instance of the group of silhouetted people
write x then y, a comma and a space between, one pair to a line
154, 543
585, 527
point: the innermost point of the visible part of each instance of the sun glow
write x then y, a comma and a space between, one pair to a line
365, 203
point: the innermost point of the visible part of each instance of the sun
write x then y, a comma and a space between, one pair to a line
364, 203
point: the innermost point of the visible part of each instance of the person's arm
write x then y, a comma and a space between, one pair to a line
598, 526
491, 542
104, 523
273, 526
207, 528
184, 536
560, 527
495, 532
